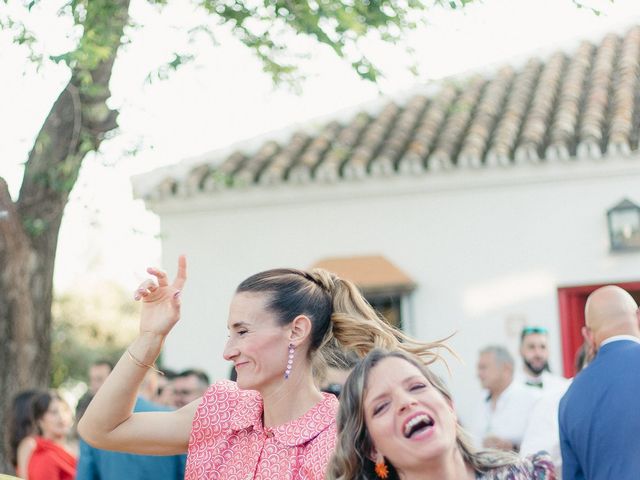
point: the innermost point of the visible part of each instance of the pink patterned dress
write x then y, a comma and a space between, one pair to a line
228, 440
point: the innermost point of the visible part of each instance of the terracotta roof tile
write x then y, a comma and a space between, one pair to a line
591, 132
250, 170
564, 125
456, 125
387, 160
487, 115
509, 125
568, 107
312, 156
330, 168
539, 115
624, 93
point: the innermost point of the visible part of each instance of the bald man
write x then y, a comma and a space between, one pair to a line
600, 413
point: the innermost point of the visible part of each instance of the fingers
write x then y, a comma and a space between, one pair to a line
149, 286
160, 275
145, 289
177, 300
181, 276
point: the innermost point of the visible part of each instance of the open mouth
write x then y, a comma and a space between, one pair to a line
417, 424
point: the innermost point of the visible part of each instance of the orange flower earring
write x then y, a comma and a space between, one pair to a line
381, 468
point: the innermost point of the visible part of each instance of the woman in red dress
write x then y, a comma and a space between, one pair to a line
52, 458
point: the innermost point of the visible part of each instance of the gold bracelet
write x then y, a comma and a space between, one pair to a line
140, 364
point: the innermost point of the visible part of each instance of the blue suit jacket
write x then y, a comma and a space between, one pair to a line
95, 464
600, 417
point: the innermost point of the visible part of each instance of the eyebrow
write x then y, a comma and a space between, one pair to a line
406, 380
238, 325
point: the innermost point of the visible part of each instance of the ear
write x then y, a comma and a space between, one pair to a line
300, 330
373, 454
590, 341
587, 334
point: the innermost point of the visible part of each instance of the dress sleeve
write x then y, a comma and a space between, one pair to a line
213, 415
41, 467
543, 467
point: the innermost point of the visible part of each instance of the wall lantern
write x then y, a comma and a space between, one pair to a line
624, 226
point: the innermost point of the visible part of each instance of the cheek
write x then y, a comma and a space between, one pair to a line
380, 431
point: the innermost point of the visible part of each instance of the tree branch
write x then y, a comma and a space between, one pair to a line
11, 230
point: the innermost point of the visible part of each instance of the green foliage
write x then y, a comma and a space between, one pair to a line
163, 72
596, 11
94, 322
264, 26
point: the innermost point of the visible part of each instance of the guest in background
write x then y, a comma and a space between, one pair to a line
599, 416
96, 464
339, 364
502, 417
98, 373
542, 431
52, 457
164, 394
188, 386
21, 432
534, 350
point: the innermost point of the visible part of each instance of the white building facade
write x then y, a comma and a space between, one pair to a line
488, 224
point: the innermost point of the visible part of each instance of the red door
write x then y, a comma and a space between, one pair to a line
571, 301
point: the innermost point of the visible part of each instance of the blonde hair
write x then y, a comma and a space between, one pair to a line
351, 457
341, 317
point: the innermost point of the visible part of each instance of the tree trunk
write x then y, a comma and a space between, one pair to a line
75, 126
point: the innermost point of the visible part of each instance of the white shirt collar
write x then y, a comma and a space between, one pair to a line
617, 338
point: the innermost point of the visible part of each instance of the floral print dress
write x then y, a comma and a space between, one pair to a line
534, 467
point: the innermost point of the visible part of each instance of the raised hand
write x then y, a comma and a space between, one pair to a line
161, 300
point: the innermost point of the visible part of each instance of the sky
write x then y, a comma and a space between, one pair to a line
223, 98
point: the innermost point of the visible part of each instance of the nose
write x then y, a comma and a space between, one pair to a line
406, 401
230, 351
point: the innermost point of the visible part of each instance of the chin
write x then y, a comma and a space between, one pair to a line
242, 384
245, 384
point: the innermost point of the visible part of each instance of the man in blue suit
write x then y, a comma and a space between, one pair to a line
600, 413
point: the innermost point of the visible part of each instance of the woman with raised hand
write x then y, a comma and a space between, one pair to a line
274, 423
397, 421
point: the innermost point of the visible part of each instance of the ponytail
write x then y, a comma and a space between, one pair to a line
357, 327
341, 317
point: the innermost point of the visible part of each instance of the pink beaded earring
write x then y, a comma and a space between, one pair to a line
287, 372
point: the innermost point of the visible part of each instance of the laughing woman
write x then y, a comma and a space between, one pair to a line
274, 423
397, 421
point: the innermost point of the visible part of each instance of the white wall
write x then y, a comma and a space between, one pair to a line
488, 249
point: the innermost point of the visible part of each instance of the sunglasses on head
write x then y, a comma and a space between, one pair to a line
529, 330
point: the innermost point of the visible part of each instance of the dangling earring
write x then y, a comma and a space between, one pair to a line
287, 372
381, 468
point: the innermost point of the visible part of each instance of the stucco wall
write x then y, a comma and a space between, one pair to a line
488, 249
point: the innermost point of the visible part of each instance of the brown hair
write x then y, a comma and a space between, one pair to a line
20, 422
338, 312
40, 405
351, 457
